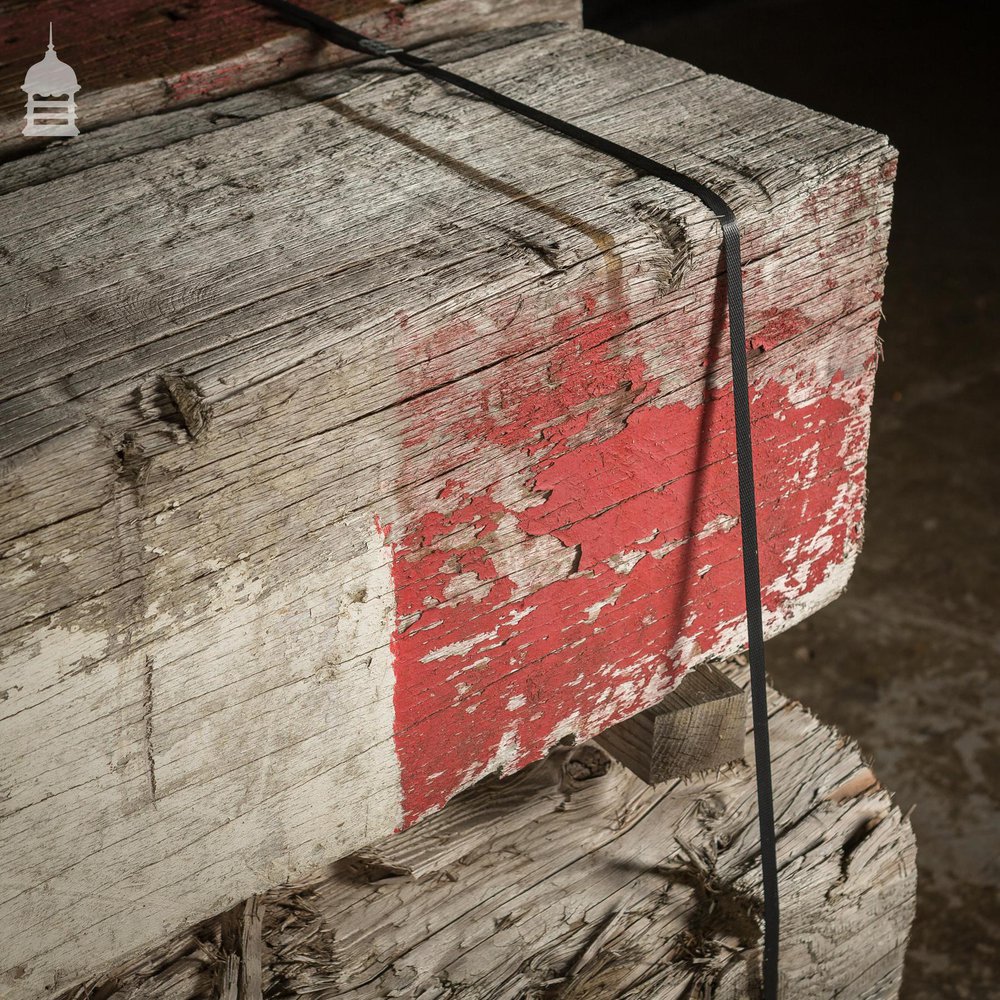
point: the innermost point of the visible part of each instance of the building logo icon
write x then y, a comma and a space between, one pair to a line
50, 78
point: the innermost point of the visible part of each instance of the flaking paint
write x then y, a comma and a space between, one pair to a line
488, 676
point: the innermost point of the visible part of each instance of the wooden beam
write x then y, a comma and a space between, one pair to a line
145, 57
699, 726
467, 484
132, 136
575, 879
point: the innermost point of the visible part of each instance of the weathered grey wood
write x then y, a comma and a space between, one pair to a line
229, 975
201, 628
699, 726
574, 879
121, 140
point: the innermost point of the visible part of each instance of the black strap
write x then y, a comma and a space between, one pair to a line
346, 38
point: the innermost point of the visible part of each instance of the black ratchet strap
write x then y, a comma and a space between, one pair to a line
348, 39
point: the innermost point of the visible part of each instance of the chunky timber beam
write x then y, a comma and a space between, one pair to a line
146, 57
368, 441
575, 880
699, 726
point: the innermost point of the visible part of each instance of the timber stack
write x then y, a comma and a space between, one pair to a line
575, 880
368, 478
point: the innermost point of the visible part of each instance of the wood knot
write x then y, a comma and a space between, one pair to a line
584, 764
192, 410
130, 459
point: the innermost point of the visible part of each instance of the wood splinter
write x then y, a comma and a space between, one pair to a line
240, 975
699, 726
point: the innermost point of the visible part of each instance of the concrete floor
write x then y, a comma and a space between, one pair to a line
908, 660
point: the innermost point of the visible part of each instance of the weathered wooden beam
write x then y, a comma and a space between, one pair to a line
145, 57
574, 879
467, 487
699, 726
128, 138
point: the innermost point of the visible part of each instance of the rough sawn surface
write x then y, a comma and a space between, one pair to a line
370, 446
573, 880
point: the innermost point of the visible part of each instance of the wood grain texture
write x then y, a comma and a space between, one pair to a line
369, 446
699, 726
121, 140
574, 880
142, 57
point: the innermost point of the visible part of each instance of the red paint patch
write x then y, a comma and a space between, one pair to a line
488, 675
395, 15
851, 193
210, 81
779, 325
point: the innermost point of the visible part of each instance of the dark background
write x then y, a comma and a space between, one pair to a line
908, 660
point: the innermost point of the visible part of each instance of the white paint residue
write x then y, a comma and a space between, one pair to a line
43, 659
169, 507
721, 522
595, 609
465, 646
810, 456
462, 648
507, 753
803, 556
481, 662
533, 562
238, 584
460, 583
294, 687
624, 562
17, 577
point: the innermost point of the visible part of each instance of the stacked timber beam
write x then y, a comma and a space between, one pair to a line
359, 441
140, 59
574, 879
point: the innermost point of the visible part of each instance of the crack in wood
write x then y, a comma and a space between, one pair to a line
147, 710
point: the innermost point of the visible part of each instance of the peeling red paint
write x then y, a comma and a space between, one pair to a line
208, 81
584, 548
587, 649
395, 15
779, 325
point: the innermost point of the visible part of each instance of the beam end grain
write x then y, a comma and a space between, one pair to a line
699, 726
